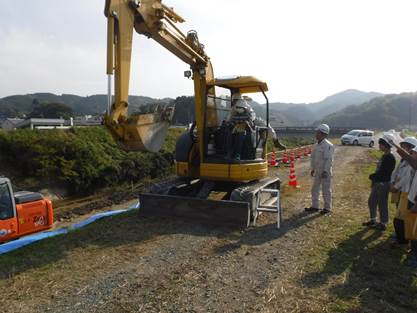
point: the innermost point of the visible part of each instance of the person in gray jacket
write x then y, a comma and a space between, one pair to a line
321, 170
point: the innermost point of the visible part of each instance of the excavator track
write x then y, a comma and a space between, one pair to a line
206, 202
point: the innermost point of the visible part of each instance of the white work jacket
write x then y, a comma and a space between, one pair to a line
322, 157
402, 176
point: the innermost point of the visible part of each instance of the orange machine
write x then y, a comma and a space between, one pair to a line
23, 212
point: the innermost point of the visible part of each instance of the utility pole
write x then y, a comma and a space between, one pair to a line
409, 116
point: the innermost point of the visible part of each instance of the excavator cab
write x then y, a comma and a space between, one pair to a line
6, 201
223, 119
209, 150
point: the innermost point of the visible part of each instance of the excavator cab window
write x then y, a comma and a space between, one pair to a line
217, 113
227, 137
6, 204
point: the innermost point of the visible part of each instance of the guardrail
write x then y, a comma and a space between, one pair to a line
303, 131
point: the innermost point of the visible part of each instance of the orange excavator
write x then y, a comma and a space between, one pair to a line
22, 212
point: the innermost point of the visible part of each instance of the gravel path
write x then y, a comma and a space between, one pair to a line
173, 266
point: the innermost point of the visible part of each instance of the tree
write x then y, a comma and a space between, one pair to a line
50, 110
184, 110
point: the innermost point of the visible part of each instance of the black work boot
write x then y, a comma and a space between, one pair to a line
311, 209
324, 211
370, 223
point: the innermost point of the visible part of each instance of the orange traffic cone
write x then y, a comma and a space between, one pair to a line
285, 157
306, 152
298, 154
273, 162
292, 157
293, 178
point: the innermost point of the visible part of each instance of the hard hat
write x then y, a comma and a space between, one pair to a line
410, 140
242, 106
388, 138
324, 128
236, 96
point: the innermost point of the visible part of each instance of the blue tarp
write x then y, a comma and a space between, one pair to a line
16, 244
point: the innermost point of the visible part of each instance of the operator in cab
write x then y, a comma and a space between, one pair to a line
243, 119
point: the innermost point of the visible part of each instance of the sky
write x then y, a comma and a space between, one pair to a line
305, 50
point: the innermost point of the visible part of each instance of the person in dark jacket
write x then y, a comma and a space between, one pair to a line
381, 185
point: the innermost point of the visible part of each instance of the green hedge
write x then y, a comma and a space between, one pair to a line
81, 159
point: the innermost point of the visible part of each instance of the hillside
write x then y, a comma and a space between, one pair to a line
18, 105
281, 114
390, 111
306, 113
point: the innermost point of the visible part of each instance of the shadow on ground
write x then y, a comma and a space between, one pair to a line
367, 268
261, 234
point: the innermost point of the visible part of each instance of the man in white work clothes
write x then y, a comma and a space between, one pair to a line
321, 170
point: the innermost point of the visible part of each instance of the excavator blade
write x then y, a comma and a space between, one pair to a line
233, 214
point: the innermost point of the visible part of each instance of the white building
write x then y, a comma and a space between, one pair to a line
42, 123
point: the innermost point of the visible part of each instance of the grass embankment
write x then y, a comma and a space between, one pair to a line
80, 160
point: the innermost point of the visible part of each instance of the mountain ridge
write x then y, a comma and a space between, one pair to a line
281, 114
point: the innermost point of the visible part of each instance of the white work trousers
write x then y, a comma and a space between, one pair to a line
326, 187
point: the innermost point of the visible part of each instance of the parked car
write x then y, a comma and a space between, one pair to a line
358, 137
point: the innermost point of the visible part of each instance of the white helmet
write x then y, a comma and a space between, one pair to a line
324, 128
388, 138
236, 96
410, 140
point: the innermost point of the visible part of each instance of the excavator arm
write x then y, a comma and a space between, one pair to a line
146, 132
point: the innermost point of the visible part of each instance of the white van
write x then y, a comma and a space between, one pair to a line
358, 137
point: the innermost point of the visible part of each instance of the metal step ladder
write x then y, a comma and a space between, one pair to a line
272, 205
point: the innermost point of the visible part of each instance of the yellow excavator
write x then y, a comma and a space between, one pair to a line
211, 186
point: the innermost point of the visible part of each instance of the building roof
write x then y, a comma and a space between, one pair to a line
42, 122
14, 121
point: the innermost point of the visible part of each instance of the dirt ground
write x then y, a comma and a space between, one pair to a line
313, 263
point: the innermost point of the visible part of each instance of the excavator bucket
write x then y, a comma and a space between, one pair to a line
233, 214
144, 131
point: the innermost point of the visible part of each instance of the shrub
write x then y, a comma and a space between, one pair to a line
81, 159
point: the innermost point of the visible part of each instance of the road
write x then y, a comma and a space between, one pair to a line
132, 265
